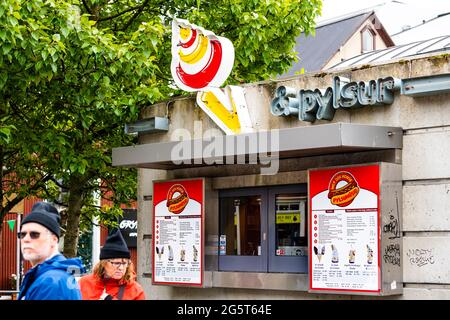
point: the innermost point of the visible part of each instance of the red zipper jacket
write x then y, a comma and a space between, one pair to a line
92, 288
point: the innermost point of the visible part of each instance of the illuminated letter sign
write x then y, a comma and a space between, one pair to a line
310, 105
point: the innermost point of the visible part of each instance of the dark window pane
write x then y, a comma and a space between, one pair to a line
240, 226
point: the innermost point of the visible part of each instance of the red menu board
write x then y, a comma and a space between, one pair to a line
344, 221
178, 232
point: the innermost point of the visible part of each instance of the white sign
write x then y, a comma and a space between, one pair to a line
200, 59
178, 232
343, 229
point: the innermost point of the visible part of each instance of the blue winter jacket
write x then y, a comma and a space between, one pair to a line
52, 280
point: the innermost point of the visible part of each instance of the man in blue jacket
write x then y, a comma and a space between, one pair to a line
51, 276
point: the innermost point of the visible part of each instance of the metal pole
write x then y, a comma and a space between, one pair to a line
95, 241
18, 253
238, 227
96, 232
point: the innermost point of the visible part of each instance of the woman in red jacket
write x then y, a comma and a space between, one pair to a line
113, 277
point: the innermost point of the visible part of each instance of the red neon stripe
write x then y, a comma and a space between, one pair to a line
190, 41
206, 75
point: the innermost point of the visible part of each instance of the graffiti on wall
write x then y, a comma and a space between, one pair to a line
420, 257
391, 254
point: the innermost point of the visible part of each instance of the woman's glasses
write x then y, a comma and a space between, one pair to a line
33, 234
118, 264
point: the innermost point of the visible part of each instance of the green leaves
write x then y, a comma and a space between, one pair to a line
262, 31
70, 80
79, 167
5, 134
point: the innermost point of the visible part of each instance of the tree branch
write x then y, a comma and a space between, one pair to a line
137, 13
87, 7
40, 182
58, 183
12, 203
120, 13
62, 204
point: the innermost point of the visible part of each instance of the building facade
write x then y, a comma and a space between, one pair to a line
410, 133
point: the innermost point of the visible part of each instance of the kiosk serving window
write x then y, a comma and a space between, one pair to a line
263, 229
241, 226
290, 237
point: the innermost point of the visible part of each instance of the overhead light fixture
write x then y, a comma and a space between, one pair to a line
149, 125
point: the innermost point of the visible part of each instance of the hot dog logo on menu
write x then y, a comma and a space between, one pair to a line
344, 195
177, 204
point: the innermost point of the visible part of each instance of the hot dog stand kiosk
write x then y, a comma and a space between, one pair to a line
258, 233
297, 208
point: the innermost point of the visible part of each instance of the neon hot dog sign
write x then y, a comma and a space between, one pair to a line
321, 104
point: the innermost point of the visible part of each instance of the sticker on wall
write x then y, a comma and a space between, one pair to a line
344, 229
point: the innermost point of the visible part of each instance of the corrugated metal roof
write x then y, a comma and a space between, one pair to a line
315, 51
435, 27
406, 50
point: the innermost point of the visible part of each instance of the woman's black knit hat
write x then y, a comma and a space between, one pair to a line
46, 215
115, 247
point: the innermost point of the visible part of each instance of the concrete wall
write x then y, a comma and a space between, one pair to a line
426, 175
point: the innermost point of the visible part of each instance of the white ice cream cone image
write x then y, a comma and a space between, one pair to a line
160, 251
170, 253
195, 253
369, 255
335, 254
319, 252
351, 256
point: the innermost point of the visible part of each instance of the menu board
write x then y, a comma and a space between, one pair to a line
344, 229
178, 232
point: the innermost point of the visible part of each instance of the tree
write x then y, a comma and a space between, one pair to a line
69, 87
74, 72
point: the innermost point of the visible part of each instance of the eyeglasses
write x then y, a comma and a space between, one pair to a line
118, 264
33, 234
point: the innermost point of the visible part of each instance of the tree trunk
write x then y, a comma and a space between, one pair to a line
1, 237
73, 216
2, 211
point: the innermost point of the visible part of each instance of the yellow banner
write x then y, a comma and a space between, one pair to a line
288, 218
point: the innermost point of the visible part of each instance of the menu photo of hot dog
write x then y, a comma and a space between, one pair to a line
178, 201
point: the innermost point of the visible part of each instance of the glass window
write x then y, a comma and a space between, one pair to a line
290, 225
263, 229
240, 227
367, 40
288, 240
243, 230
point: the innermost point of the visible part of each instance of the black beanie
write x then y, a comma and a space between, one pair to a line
115, 247
45, 214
